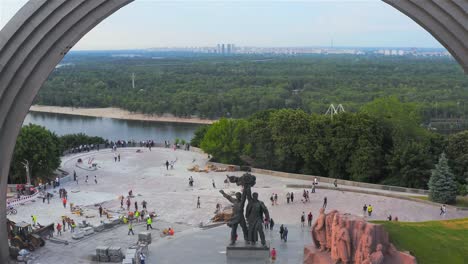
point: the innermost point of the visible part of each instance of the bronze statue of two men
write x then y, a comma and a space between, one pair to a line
253, 213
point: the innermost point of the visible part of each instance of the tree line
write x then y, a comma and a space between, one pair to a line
381, 143
42, 150
237, 86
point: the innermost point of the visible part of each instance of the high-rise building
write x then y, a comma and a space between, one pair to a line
228, 48
223, 51
218, 49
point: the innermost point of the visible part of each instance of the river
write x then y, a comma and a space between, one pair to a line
112, 129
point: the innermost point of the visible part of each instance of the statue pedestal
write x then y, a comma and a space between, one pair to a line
241, 251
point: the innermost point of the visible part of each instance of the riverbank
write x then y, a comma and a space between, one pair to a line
117, 113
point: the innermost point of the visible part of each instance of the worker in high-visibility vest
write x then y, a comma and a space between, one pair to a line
34, 219
137, 215
149, 221
130, 228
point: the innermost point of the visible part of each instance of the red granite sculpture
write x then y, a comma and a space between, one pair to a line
343, 238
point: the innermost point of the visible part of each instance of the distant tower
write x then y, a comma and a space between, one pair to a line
133, 80
218, 49
222, 49
228, 49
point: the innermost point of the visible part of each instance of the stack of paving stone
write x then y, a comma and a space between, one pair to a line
88, 230
115, 254
144, 237
102, 253
78, 234
99, 227
130, 256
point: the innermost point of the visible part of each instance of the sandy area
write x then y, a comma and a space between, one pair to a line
117, 113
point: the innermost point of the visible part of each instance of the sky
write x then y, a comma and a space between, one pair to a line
151, 23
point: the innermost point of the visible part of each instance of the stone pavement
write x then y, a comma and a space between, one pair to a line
209, 247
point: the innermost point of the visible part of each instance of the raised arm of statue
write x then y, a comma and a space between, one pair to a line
230, 199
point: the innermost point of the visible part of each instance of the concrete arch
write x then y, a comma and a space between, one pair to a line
43, 31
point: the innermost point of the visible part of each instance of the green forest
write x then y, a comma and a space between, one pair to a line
238, 86
382, 143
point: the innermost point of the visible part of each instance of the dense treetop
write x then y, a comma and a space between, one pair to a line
383, 145
238, 86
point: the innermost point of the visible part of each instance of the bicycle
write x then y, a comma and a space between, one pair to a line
11, 211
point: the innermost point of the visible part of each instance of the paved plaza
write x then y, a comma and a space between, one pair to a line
167, 192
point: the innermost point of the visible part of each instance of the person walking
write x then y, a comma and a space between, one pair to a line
281, 231
285, 234
86, 179
48, 198
292, 197
276, 199
59, 229
34, 219
95, 179
364, 210
74, 175
142, 256
273, 254
128, 204
73, 225
335, 182
144, 203
130, 228
198, 202
272, 223
324, 206
64, 201
167, 165
302, 219
309, 219
149, 221
369, 210
118, 157
288, 197
115, 157
121, 201
136, 206
313, 189
213, 182
272, 199
64, 224
100, 210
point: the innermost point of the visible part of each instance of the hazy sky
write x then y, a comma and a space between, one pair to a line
147, 23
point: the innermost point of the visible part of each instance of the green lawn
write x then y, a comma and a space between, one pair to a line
432, 241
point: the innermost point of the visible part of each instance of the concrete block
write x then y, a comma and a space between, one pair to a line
98, 228
114, 251
144, 237
115, 258
103, 258
127, 261
88, 230
78, 235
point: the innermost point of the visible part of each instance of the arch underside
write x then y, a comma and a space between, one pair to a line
37, 38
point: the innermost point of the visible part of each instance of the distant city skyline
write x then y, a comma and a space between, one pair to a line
146, 24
